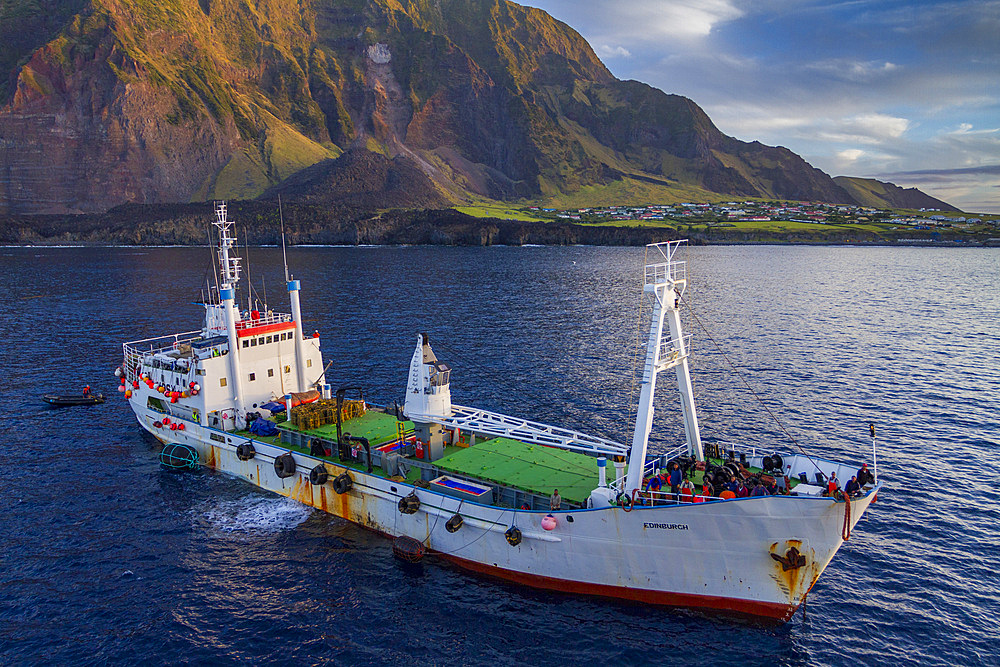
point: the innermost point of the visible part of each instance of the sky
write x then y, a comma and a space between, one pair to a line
907, 92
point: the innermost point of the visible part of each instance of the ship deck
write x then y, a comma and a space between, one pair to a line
528, 472
533, 468
377, 427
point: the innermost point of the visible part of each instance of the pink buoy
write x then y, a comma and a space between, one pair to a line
549, 522
121, 387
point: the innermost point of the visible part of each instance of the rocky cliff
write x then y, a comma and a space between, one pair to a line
879, 194
111, 101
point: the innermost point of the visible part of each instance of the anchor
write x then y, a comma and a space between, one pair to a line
792, 560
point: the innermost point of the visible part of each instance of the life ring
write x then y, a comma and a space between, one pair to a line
318, 475
342, 483
284, 465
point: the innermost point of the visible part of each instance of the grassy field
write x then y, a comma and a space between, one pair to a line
502, 212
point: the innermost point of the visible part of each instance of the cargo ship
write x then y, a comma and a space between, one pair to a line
504, 496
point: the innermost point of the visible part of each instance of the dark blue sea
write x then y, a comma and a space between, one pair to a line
105, 558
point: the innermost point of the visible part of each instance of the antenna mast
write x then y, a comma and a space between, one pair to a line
229, 266
284, 257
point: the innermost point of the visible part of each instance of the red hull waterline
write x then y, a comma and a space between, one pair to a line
750, 609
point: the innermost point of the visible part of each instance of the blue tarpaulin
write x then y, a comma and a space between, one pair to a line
274, 406
263, 426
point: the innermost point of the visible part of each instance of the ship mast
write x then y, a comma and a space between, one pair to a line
665, 282
229, 269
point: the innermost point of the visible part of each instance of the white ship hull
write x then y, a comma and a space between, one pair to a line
713, 555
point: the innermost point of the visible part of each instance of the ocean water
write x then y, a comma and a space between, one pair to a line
106, 558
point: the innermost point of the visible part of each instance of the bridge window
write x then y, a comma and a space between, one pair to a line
222, 382
270, 372
253, 376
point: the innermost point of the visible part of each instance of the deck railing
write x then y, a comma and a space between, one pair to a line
136, 351
268, 317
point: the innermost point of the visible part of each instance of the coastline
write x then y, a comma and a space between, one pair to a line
166, 225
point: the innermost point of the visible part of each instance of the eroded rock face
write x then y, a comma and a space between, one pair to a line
188, 100
83, 137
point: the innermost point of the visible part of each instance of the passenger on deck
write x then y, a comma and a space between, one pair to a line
676, 477
687, 491
865, 475
86, 391
707, 488
555, 501
833, 484
742, 491
852, 488
706, 494
758, 490
732, 485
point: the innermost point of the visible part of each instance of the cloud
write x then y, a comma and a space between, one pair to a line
641, 20
605, 51
849, 155
869, 128
873, 88
986, 170
853, 70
